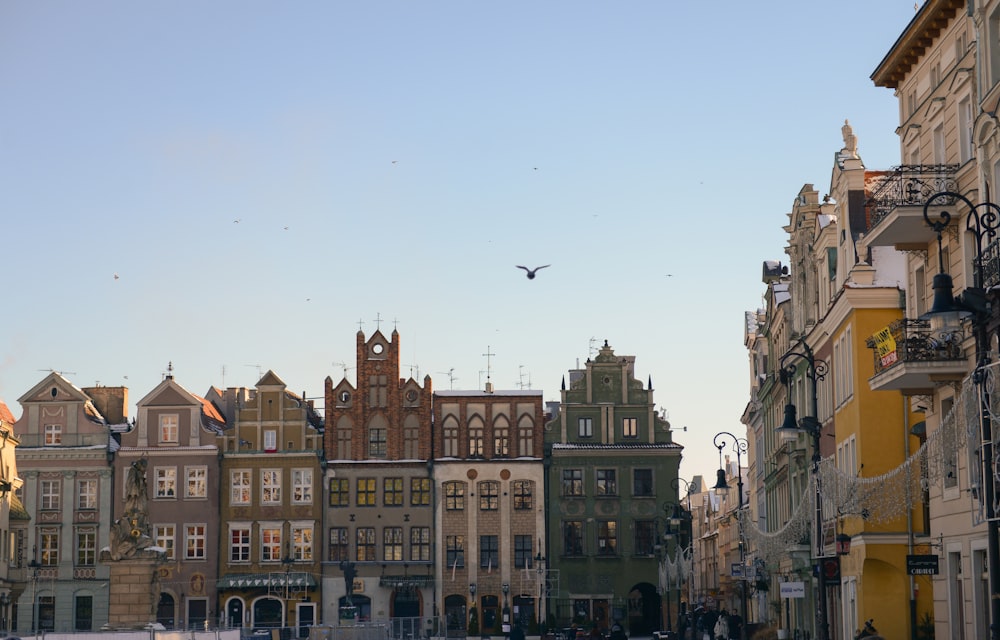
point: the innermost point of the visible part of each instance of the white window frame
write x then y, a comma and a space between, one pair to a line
196, 484
50, 492
53, 435
585, 427
270, 440
244, 545
169, 428
270, 551
302, 542
270, 486
241, 486
166, 483
86, 491
302, 486
195, 532
165, 537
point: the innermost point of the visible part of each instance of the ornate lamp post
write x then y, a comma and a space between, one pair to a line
983, 221
815, 370
740, 446
688, 517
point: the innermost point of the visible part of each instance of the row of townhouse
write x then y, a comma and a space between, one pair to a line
432, 511
878, 340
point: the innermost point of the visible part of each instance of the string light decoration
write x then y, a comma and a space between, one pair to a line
890, 495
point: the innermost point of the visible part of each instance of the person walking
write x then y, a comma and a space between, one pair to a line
721, 629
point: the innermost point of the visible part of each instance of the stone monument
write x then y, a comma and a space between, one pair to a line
135, 579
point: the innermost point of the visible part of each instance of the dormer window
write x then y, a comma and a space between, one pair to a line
168, 428
53, 435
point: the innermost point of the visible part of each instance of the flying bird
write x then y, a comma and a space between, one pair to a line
116, 276
531, 272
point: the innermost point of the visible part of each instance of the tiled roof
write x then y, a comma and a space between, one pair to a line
5, 414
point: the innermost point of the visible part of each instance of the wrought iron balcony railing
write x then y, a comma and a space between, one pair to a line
912, 340
907, 185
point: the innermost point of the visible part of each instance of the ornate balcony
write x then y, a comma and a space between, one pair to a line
912, 358
895, 204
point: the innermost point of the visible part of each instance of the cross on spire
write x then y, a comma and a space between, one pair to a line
488, 366
378, 321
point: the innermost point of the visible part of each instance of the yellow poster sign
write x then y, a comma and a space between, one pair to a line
885, 347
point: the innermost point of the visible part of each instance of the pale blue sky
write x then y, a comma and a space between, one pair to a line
416, 152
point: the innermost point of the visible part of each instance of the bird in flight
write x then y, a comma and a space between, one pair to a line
116, 276
531, 272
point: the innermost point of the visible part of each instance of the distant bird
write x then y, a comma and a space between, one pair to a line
531, 272
116, 276
237, 220
395, 161
286, 228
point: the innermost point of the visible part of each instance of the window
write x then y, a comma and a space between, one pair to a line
163, 536
607, 482
392, 544
47, 613
420, 491
83, 614
378, 391
239, 543
476, 438
645, 537
450, 430
454, 496
339, 544
86, 547
194, 541
197, 482
166, 482
489, 496
420, 544
522, 495
168, 428
501, 438
50, 547
455, 551
366, 544
366, 492
642, 482
607, 538
86, 492
392, 492
585, 427
377, 442
270, 486
489, 552
50, 494
53, 435
522, 552
966, 122
573, 538
526, 437
411, 440
270, 440
302, 481
270, 542
302, 543
240, 486
340, 492
630, 427
572, 482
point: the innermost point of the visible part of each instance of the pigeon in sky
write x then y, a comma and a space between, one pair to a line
531, 272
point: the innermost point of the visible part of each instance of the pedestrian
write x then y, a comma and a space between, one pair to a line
721, 629
735, 626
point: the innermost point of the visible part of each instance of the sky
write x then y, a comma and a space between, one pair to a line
232, 187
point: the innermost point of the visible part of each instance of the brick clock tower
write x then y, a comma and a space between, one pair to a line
378, 488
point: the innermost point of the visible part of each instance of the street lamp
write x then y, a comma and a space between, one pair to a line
816, 371
740, 446
542, 590
983, 221
688, 516
34, 565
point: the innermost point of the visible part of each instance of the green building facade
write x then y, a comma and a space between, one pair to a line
611, 478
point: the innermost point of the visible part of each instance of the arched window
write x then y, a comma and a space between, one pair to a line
501, 437
526, 436
476, 435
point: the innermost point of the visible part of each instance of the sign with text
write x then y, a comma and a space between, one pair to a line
736, 570
922, 565
885, 347
793, 589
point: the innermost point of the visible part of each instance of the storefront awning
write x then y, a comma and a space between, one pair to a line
266, 580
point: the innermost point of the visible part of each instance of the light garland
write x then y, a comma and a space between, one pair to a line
882, 498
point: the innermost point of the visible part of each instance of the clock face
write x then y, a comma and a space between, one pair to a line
411, 395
